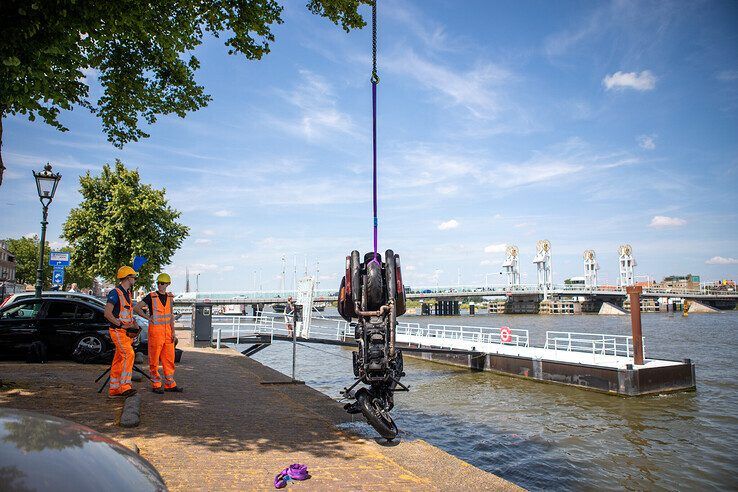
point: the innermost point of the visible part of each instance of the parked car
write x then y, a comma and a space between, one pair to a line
39, 452
62, 321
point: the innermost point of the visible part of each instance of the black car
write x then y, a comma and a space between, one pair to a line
39, 452
62, 323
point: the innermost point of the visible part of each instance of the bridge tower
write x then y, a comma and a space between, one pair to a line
543, 264
511, 266
590, 269
627, 264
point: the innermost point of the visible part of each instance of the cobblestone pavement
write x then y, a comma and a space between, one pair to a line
227, 431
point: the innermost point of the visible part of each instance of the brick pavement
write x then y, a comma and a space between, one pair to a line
229, 432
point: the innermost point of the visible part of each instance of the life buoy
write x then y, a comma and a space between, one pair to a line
505, 334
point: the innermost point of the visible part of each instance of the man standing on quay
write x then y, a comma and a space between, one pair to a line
123, 329
161, 334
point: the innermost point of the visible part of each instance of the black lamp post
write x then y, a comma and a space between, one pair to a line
46, 182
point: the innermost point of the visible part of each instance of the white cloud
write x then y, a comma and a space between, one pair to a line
224, 213
447, 189
316, 103
660, 221
449, 224
203, 241
495, 248
644, 81
473, 89
719, 260
208, 232
727, 75
647, 142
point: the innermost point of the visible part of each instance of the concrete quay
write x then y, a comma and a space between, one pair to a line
228, 431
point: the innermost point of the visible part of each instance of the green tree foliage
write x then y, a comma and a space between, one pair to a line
119, 218
141, 51
25, 250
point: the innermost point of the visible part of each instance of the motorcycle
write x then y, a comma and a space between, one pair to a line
373, 295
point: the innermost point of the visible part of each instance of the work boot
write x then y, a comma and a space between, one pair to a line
176, 389
158, 390
128, 393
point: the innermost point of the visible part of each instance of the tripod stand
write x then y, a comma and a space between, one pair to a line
106, 371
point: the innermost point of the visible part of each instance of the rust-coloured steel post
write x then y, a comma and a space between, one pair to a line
634, 292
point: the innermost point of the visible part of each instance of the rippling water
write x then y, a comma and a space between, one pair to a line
544, 436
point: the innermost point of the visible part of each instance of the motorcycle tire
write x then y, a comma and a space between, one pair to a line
400, 301
394, 284
380, 420
345, 304
374, 287
355, 269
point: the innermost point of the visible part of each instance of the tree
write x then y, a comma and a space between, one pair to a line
119, 218
141, 51
25, 250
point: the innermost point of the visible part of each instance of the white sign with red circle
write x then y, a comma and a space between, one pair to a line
505, 334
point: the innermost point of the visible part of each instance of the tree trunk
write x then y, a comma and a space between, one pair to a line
2, 166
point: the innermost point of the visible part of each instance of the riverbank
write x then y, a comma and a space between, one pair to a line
228, 431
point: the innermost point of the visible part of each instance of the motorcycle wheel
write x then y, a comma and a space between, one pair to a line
354, 267
376, 416
374, 288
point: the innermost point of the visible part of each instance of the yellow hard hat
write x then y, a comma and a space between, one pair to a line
126, 271
164, 278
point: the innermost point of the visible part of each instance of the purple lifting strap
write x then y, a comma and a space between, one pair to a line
374, 152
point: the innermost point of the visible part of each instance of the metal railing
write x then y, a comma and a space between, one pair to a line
476, 334
594, 343
269, 323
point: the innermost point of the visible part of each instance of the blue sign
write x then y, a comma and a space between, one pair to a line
57, 278
59, 259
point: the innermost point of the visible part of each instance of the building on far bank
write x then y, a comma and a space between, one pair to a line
7, 264
689, 281
7, 272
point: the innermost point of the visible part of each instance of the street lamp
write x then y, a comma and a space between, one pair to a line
46, 182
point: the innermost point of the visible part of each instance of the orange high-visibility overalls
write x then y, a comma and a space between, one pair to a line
161, 342
122, 368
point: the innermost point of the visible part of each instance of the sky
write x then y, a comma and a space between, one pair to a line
590, 124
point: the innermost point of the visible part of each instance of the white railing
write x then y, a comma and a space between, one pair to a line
594, 343
269, 323
477, 334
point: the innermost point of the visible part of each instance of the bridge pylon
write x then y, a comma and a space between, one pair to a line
543, 264
627, 265
590, 269
511, 266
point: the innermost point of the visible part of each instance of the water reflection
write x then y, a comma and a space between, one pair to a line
30, 434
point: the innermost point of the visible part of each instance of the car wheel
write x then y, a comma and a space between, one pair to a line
90, 343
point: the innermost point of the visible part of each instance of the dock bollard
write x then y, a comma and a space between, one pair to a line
634, 293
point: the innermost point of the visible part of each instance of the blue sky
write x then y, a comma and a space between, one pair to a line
590, 124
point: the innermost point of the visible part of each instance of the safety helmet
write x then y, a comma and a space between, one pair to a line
126, 271
164, 278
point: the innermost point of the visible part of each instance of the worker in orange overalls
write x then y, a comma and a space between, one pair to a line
161, 334
123, 330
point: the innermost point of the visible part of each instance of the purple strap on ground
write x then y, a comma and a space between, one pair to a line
280, 481
374, 152
297, 471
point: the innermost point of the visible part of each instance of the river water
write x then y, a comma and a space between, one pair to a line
548, 437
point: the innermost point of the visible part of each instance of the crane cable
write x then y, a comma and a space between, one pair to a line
375, 81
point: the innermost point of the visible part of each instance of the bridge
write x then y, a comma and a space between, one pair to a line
725, 298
